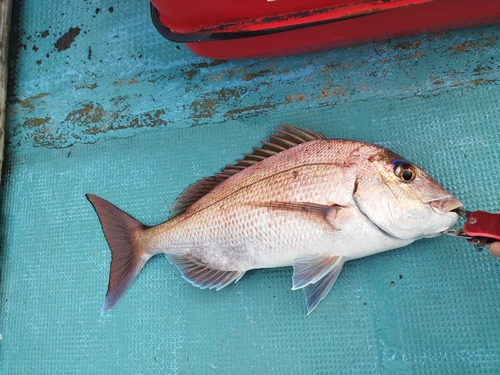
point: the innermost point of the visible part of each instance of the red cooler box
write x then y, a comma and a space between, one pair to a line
225, 29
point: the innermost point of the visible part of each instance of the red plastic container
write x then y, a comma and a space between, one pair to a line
271, 28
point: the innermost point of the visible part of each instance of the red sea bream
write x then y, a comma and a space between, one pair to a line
300, 200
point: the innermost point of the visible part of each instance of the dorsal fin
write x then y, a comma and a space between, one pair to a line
284, 139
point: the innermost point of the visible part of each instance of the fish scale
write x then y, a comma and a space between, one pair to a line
300, 200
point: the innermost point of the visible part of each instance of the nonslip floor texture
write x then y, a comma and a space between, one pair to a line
99, 102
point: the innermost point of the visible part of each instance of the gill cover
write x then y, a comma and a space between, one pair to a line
403, 200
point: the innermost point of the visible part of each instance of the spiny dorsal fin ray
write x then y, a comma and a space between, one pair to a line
286, 138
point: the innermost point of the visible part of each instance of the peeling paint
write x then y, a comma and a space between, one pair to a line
149, 120
91, 86
476, 44
299, 98
198, 67
36, 121
163, 89
209, 64
29, 103
64, 42
480, 81
328, 91
217, 77
132, 81
90, 114
254, 108
208, 105
406, 45
464, 47
47, 139
250, 76
338, 66
190, 73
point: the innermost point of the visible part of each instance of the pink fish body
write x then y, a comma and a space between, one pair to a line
300, 200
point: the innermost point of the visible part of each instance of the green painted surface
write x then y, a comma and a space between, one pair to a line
126, 115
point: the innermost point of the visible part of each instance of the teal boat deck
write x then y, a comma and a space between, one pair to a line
99, 102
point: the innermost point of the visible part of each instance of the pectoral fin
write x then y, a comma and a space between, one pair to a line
316, 276
318, 212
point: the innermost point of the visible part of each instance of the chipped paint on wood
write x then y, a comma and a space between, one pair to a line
28, 103
36, 121
256, 108
64, 42
160, 84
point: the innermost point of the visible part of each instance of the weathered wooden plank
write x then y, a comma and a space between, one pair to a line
5, 10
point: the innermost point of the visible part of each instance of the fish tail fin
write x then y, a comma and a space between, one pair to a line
122, 232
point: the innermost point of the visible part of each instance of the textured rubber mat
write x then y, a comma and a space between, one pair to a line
99, 103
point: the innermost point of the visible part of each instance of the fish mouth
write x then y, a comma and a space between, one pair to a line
446, 205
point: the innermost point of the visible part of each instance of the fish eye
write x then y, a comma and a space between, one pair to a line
406, 172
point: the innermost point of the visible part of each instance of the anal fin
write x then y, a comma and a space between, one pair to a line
202, 276
316, 276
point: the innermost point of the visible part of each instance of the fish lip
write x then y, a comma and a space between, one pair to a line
448, 204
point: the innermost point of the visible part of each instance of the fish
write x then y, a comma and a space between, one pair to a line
299, 200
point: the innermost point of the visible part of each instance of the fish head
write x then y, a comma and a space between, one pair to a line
401, 199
